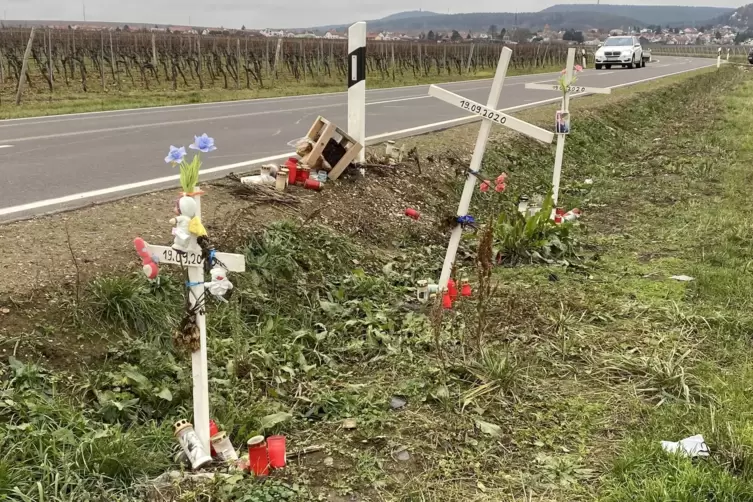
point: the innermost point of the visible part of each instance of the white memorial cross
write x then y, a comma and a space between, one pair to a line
491, 116
571, 89
194, 262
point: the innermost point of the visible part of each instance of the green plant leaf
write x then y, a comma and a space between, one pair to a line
276, 418
137, 377
165, 394
489, 428
15, 363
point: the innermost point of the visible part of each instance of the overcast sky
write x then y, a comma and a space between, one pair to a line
275, 13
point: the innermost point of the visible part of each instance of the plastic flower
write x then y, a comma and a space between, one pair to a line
563, 71
578, 68
501, 187
485, 186
502, 178
176, 155
203, 143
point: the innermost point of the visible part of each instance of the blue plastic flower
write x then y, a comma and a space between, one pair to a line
176, 155
466, 221
203, 143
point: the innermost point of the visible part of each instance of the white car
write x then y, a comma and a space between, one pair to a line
625, 51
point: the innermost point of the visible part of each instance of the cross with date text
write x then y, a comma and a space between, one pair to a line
490, 115
193, 261
569, 90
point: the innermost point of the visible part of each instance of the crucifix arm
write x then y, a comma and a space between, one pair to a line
492, 115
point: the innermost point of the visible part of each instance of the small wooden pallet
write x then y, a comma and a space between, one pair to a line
338, 153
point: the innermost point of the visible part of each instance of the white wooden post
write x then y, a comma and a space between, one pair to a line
490, 115
199, 371
583, 53
560, 154
719, 58
357, 85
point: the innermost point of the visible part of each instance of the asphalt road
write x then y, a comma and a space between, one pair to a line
54, 163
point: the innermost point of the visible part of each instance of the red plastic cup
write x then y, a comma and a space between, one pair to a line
292, 170
465, 290
276, 449
412, 213
258, 460
447, 300
453, 289
312, 185
213, 430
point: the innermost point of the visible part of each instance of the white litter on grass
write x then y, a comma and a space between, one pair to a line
589, 181
693, 446
683, 278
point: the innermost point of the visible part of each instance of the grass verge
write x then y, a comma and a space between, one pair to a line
556, 382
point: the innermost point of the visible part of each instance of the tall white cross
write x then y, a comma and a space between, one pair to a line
491, 116
194, 262
570, 89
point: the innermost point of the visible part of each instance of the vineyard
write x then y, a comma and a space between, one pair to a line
65, 63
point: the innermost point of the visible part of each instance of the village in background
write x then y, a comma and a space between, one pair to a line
566, 25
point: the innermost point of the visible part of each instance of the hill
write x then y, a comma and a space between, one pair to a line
649, 14
481, 21
411, 14
741, 18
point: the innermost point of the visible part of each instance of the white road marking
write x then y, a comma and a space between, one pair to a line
197, 119
233, 103
369, 141
6, 146
129, 186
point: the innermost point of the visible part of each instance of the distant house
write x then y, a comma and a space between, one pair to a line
332, 35
183, 29
272, 33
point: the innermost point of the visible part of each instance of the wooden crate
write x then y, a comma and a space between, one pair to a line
322, 134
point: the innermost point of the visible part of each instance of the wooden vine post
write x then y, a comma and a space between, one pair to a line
24, 67
154, 51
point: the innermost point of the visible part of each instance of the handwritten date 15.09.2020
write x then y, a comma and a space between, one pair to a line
483, 111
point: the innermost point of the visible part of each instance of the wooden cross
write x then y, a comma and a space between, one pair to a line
491, 116
193, 260
569, 90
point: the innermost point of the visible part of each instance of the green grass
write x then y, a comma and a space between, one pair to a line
584, 364
66, 100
